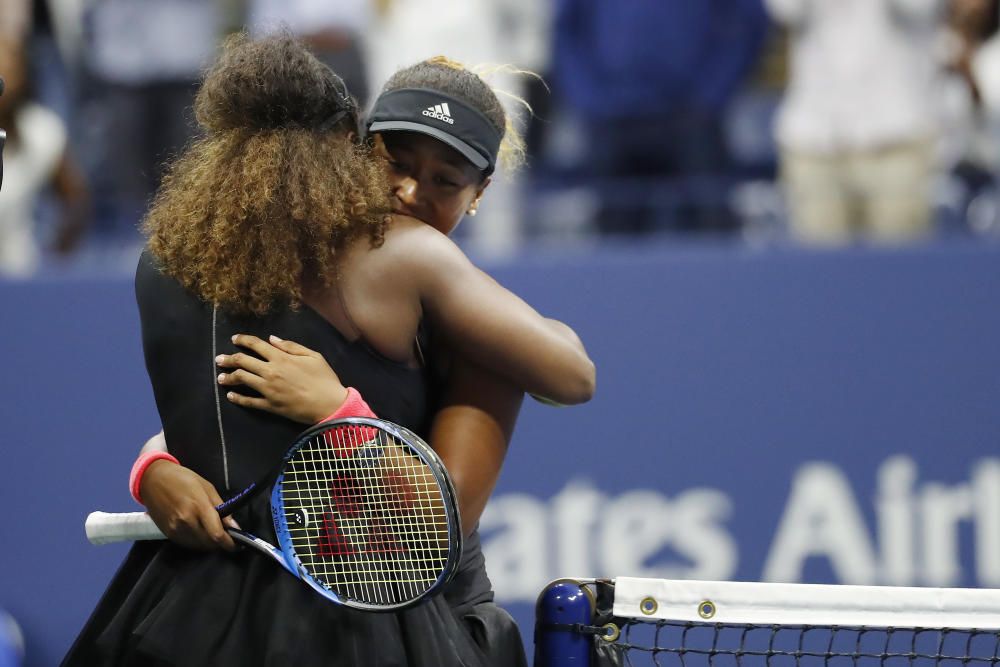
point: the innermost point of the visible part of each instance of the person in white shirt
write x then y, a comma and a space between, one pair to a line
35, 158
971, 92
856, 129
968, 149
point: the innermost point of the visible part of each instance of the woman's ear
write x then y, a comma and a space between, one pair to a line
474, 206
482, 187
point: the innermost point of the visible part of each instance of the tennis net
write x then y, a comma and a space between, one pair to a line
631, 621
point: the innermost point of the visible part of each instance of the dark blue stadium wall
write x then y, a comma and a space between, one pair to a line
783, 415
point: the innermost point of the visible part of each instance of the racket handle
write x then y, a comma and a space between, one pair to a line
105, 527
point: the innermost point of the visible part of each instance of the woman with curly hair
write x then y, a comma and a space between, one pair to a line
434, 179
278, 223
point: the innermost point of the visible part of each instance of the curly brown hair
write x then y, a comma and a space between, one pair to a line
274, 187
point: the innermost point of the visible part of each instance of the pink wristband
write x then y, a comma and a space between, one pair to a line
353, 406
139, 468
348, 440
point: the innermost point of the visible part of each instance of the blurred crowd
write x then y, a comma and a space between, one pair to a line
822, 122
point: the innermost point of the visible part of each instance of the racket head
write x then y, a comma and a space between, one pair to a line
365, 513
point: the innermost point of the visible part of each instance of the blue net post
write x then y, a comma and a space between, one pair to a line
561, 605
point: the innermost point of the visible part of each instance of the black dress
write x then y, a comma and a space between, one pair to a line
170, 606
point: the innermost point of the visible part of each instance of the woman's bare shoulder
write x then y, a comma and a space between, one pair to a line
411, 253
416, 243
401, 232
403, 228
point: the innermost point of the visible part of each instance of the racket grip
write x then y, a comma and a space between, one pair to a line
105, 527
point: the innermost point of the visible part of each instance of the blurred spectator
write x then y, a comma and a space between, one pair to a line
55, 50
856, 129
970, 151
972, 24
474, 32
651, 82
984, 58
66, 22
144, 60
35, 159
333, 30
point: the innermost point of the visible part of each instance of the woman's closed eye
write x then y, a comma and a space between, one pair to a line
398, 167
444, 181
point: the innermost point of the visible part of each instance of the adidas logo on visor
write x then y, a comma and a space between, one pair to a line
441, 112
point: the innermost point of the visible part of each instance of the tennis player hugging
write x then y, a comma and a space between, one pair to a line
289, 240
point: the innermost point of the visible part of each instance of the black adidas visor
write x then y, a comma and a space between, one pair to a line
443, 117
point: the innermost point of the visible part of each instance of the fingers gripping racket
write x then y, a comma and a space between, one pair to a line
364, 512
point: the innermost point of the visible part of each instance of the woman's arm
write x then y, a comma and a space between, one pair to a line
470, 431
182, 503
487, 324
71, 188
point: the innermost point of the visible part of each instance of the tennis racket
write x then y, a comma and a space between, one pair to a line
364, 512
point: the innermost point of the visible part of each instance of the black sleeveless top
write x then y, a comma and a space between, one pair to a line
229, 445
172, 606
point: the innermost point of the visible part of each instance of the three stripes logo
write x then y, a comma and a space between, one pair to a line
440, 112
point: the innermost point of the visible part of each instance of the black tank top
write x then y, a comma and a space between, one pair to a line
229, 445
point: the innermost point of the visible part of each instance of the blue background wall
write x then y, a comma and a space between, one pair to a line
760, 415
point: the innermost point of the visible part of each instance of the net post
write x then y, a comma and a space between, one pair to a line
562, 604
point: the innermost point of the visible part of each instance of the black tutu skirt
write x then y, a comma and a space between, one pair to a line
171, 606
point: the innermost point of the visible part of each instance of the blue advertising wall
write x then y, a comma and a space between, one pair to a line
761, 415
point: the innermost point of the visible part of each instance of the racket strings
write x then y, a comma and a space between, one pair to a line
366, 517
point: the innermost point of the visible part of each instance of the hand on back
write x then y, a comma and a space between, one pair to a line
292, 380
